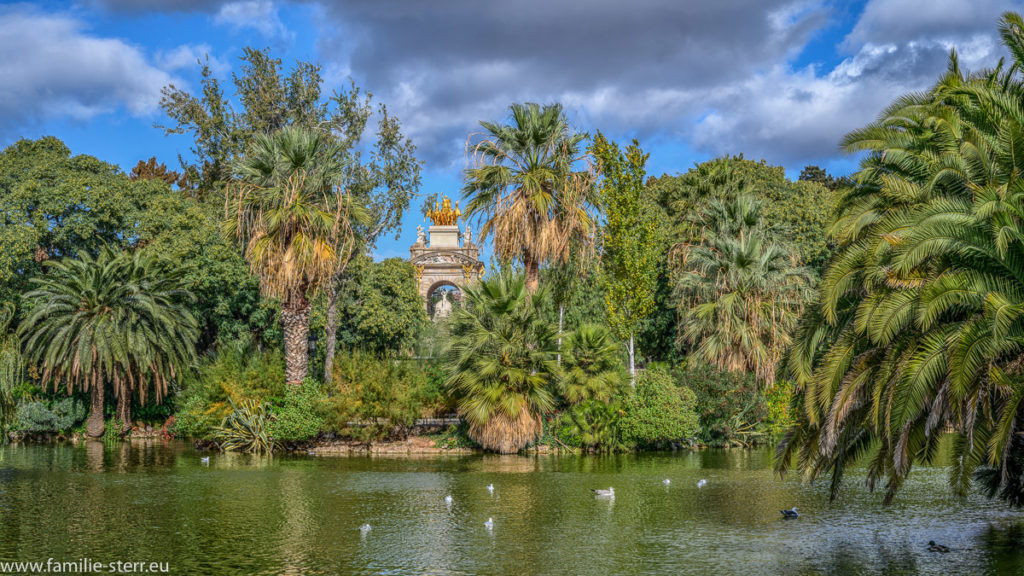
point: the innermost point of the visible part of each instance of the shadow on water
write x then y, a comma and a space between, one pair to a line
158, 501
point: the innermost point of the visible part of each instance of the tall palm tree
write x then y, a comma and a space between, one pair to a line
12, 369
592, 369
287, 207
118, 319
919, 325
502, 363
740, 296
526, 189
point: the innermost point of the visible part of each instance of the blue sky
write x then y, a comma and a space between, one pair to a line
774, 79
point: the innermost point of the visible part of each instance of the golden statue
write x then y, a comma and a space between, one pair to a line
442, 213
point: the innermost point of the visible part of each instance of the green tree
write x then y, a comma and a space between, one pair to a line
526, 189
739, 294
383, 179
917, 328
118, 318
55, 205
593, 366
800, 212
12, 370
295, 222
379, 306
502, 362
631, 238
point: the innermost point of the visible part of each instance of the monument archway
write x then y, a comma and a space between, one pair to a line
444, 255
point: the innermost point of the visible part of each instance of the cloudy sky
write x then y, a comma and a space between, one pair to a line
775, 79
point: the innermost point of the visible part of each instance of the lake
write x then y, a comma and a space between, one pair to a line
157, 502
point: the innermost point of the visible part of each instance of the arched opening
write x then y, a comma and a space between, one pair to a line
442, 298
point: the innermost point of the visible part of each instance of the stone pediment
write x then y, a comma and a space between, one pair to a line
453, 257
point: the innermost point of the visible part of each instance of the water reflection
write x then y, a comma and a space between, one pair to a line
156, 501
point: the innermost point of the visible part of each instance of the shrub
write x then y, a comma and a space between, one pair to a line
595, 425
658, 411
299, 416
57, 415
779, 412
237, 372
246, 429
732, 410
384, 395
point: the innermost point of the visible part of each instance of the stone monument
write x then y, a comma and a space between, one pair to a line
444, 256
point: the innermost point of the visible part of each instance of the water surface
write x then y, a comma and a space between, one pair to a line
301, 515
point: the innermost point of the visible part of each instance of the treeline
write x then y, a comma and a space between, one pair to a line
866, 317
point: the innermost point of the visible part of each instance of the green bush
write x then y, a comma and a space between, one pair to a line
237, 372
246, 428
732, 410
657, 411
778, 407
595, 425
57, 415
385, 395
299, 416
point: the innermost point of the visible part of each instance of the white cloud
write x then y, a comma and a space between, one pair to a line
188, 56
51, 67
258, 15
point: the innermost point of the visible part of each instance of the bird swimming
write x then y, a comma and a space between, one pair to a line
610, 492
365, 528
701, 483
490, 523
205, 460
790, 513
490, 488
666, 481
933, 547
448, 500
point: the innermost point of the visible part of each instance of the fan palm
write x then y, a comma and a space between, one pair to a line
918, 327
592, 369
740, 296
502, 363
117, 318
294, 221
526, 190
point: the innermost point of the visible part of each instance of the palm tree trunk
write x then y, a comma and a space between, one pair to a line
94, 426
332, 330
532, 274
295, 321
632, 362
124, 410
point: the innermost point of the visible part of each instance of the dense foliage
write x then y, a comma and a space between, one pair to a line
918, 327
658, 411
503, 362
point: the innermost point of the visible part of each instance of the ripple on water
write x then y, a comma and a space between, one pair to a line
302, 515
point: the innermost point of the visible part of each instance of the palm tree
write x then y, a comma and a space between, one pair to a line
294, 220
526, 190
502, 363
12, 369
117, 318
740, 296
920, 321
593, 365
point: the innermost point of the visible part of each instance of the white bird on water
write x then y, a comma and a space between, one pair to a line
666, 481
205, 460
448, 500
490, 488
365, 528
609, 493
790, 513
701, 483
489, 524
